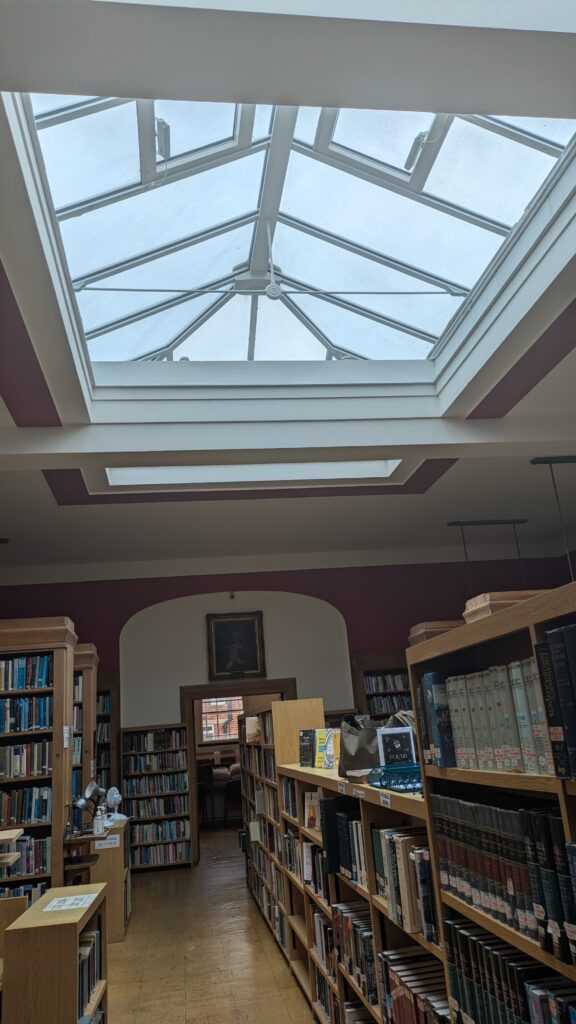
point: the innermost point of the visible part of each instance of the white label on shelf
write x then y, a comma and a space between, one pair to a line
359, 793
554, 929
67, 733
570, 930
341, 787
111, 843
385, 799
70, 902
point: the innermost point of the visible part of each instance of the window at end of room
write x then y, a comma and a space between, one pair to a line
220, 718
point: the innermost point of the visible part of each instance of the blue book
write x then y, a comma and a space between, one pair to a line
438, 716
43, 666
21, 673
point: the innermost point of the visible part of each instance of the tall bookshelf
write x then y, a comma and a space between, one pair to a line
36, 792
53, 987
106, 743
377, 676
278, 739
155, 795
84, 720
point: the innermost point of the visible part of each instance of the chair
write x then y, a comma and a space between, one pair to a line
205, 783
232, 800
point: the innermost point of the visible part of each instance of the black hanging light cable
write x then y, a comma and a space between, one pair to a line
514, 523
551, 461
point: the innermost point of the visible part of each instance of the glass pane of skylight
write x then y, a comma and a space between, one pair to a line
224, 336
358, 335
44, 103
328, 267
195, 125
396, 225
306, 124
91, 155
555, 129
150, 333
262, 122
162, 215
190, 268
280, 335
384, 135
486, 172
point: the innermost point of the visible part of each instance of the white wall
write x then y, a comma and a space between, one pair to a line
164, 647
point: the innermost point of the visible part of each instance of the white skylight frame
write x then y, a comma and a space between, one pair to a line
281, 145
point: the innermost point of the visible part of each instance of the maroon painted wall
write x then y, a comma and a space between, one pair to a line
379, 603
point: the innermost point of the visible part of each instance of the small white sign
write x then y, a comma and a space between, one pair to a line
70, 902
111, 843
67, 735
341, 787
359, 793
385, 799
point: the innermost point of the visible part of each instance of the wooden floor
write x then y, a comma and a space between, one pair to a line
197, 950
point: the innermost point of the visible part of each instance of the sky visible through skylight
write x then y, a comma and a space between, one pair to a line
215, 231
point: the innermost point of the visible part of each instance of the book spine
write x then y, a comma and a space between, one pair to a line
470, 745
455, 722
512, 751
552, 709
566, 698
540, 732
493, 741
523, 717
423, 722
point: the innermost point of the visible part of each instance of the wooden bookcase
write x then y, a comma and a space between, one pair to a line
279, 729
56, 639
363, 665
85, 674
113, 867
107, 731
151, 754
47, 942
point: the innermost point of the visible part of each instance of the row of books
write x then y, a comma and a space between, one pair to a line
89, 966
413, 987
292, 852
314, 869
327, 999
77, 718
492, 720
104, 776
168, 853
267, 727
156, 784
278, 884
35, 857
156, 740
26, 806
26, 672
512, 864
32, 891
25, 759
289, 800
269, 765
404, 878
21, 714
386, 682
324, 944
491, 981
156, 807
142, 763
319, 748
161, 831
389, 704
354, 941
78, 686
103, 732
279, 925
103, 703
76, 751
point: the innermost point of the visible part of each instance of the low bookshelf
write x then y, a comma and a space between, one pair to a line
83, 721
65, 953
36, 686
155, 795
381, 685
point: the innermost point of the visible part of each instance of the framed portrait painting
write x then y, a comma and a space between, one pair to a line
236, 646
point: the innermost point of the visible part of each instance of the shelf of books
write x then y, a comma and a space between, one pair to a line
83, 722
36, 686
381, 684
155, 795
496, 727
62, 941
107, 719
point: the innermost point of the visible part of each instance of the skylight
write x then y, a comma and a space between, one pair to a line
214, 231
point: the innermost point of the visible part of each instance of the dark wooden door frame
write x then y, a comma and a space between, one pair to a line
239, 688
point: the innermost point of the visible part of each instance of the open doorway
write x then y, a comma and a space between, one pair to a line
211, 715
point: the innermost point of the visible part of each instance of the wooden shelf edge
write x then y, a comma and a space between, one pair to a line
318, 963
501, 780
380, 904
372, 1009
95, 998
502, 931
301, 973
298, 926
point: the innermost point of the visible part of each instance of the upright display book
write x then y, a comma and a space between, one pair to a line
396, 746
307, 739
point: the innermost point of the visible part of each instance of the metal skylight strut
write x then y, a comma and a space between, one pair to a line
272, 187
